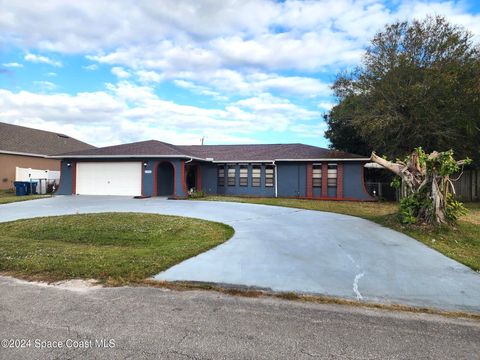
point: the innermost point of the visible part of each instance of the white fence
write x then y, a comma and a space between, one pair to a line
42, 177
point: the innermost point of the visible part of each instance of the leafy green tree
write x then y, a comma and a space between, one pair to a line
418, 85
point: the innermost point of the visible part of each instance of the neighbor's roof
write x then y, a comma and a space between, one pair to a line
22, 140
219, 153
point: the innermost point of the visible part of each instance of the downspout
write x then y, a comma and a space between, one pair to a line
276, 183
189, 161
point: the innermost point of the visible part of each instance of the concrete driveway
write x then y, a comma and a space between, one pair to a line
285, 249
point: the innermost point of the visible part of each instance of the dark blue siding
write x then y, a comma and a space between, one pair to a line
65, 186
209, 178
353, 181
179, 188
261, 190
148, 178
292, 179
332, 191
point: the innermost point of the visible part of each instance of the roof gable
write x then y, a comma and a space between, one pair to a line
24, 140
142, 148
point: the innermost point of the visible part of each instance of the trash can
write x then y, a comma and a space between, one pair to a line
33, 188
20, 188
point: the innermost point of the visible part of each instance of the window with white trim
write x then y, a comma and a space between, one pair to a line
332, 175
317, 175
231, 175
221, 175
243, 175
269, 175
256, 175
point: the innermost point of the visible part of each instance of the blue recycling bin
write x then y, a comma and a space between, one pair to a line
33, 187
21, 188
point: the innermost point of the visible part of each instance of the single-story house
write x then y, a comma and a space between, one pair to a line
29, 148
155, 168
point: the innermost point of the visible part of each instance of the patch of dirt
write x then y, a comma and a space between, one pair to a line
77, 285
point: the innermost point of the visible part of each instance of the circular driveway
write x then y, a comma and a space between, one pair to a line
285, 249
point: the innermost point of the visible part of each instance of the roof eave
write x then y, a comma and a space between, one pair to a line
327, 159
22, 153
66, 156
274, 160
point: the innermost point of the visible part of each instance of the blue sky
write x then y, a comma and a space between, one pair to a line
230, 71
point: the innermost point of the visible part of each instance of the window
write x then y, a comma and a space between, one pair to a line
332, 175
256, 175
317, 175
232, 173
269, 176
243, 175
221, 175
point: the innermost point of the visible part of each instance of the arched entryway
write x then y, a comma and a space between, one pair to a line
165, 179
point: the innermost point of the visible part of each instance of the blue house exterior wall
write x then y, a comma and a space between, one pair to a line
148, 175
353, 182
262, 190
291, 181
148, 178
66, 176
209, 178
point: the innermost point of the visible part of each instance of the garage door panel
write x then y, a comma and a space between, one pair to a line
109, 178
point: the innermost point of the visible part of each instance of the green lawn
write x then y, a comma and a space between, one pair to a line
114, 248
8, 196
461, 243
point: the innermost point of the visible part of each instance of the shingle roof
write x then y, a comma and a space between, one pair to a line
142, 148
20, 139
269, 152
256, 152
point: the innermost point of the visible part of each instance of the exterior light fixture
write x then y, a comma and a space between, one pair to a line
68, 164
145, 164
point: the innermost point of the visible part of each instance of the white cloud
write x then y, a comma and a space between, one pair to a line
268, 54
42, 59
326, 105
202, 90
120, 72
126, 112
149, 76
91, 67
234, 83
181, 33
45, 85
13, 65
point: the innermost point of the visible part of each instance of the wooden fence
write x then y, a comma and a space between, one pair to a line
467, 187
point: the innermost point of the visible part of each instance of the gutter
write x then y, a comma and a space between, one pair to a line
182, 157
122, 156
22, 154
326, 159
273, 161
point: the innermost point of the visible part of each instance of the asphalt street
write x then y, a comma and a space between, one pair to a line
152, 323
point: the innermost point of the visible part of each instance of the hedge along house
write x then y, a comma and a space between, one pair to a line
155, 168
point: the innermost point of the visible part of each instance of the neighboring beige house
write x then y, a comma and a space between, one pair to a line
28, 148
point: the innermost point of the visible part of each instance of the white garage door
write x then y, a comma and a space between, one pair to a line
109, 178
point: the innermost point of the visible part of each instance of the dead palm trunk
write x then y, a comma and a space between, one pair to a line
426, 184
